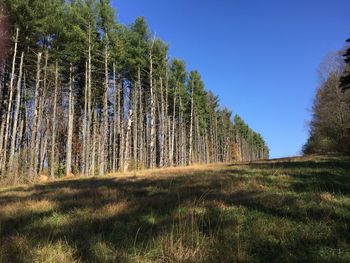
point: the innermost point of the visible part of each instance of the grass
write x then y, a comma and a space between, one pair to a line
288, 210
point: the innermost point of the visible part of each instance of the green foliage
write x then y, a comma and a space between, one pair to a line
177, 79
106, 17
159, 51
38, 21
60, 170
136, 48
243, 131
200, 98
330, 126
76, 32
345, 80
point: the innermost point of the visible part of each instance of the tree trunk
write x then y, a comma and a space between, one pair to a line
153, 112
141, 121
42, 107
70, 125
32, 154
190, 157
84, 124
128, 133
162, 125
115, 123
88, 158
53, 139
16, 115
9, 107
93, 150
135, 124
122, 142
173, 131
104, 125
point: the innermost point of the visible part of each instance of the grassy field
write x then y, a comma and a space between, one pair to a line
288, 210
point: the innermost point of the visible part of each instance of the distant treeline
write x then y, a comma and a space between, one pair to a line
330, 125
81, 93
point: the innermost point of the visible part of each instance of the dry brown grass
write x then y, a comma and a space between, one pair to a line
42, 178
55, 252
168, 171
326, 197
18, 208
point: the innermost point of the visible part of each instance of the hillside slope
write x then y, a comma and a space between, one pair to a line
294, 209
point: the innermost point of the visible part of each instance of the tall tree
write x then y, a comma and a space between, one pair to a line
103, 97
345, 80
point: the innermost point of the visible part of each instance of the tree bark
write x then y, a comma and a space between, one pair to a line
70, 125
16, 115
104, 119
32, 154
173, 130
190, 157
153, 112
53, 137
128, 133
115, 122
9, 107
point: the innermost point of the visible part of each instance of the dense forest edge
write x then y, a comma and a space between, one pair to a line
330, 124
84, 94
111, 150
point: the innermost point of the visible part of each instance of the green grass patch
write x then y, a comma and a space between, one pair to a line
292, 210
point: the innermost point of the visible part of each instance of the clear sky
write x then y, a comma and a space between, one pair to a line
260, 56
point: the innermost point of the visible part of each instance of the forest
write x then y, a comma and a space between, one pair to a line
112, 150
330, 124
82, 94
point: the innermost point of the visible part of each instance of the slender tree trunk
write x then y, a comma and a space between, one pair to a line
70, 125
122, 142
190, 157
207, 148
173, 130
181, 133
216, 137
198, 144
9, 107
162, 125
153, 112
88, 163
115, 122
53, 142
94, 134
32, 154
141, 121
128, 133
16, 115
166, 124
104, 119
43, 148
119, 125
42, 107
84, 124
2, 151
135, 124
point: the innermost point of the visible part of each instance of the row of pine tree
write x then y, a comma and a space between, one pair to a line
81, 93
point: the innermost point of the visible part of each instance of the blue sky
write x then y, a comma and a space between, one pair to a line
260, 57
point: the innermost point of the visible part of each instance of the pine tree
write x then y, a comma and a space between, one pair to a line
90, 94
345, 80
